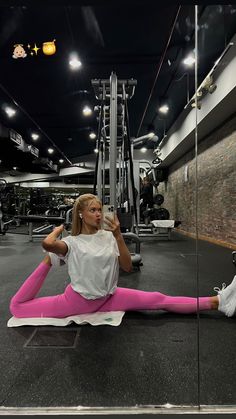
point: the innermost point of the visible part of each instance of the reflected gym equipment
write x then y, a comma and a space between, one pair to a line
158, 199
2, 188
43, 230
160, 214
113, 141
234, 257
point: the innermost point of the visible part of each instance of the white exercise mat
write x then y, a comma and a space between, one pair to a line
112, 318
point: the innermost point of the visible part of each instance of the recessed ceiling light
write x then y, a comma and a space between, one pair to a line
75, 63
92, 135
164, 109
189, 61
34, 136
96, 150
61, 161
10, 111
14, 168
50, 150
87, 111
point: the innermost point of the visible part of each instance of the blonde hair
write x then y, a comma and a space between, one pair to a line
79, 205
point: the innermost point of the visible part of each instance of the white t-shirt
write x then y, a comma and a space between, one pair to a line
93, 263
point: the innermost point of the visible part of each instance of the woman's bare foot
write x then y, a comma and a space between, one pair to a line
47, 260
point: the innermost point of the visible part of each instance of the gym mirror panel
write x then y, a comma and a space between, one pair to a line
216, 203
151, 361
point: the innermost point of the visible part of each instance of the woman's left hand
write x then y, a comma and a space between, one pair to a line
113, 225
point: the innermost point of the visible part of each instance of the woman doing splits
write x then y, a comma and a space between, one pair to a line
94, 256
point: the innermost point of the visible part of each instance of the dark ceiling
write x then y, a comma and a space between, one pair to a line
143, 40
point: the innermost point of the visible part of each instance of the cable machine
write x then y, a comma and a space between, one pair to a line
114, 161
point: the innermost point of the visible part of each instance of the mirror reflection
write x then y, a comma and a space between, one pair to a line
216, 162
116, 205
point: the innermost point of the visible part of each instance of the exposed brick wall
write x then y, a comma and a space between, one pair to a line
216, 164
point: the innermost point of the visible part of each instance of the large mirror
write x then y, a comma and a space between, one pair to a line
133, 102
216, 201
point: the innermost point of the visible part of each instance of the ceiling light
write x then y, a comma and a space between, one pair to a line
14, 168
61, 161
92, 135
50, 150
75, 63
164, 109
35, 136
10, 111
143, 149
189, 61
96, 150
87, 111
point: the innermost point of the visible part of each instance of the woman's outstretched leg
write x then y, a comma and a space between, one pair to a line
126, 299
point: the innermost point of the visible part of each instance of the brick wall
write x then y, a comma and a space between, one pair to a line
216, 168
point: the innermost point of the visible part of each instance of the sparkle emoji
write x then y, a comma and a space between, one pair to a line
19, 51
49, 48
35, 49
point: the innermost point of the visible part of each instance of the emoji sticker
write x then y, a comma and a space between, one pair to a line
49, 48
19, 51
35, 49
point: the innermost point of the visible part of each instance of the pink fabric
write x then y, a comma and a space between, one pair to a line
24, 303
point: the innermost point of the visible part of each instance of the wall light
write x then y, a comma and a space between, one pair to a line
199, 104
209, 85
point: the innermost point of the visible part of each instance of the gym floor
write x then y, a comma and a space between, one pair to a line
151, 359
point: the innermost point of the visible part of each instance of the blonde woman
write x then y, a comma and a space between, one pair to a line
94, 256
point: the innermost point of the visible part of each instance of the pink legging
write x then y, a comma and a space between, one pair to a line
24, 303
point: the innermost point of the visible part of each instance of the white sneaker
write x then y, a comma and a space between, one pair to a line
227, 298
55, 260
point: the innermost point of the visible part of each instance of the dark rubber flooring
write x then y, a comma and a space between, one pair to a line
151, 359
